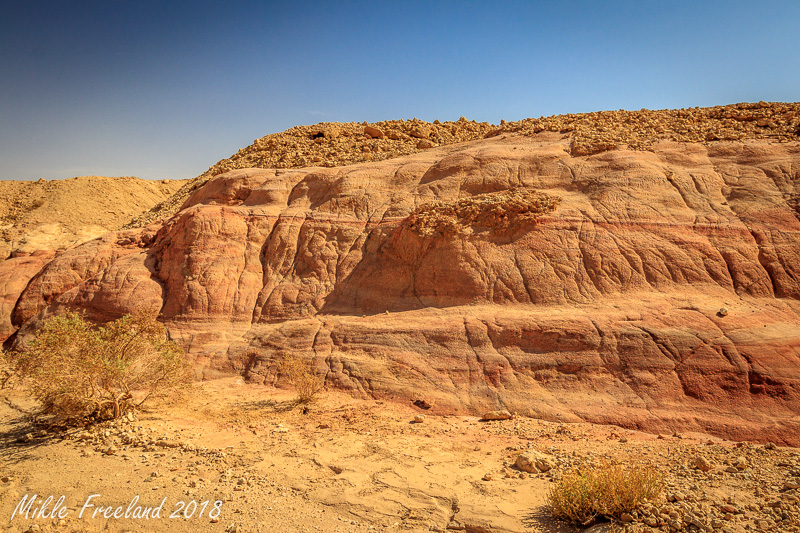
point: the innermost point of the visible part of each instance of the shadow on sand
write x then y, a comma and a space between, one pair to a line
540, 520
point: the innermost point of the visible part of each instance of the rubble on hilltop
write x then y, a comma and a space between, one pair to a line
338, 144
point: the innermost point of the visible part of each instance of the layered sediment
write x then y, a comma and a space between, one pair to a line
653, 285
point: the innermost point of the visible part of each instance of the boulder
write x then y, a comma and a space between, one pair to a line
374, 133
497, 415
533, 461
702, 464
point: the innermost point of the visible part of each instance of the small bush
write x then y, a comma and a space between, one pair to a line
496, 210
304, 381
75, 369
608, 490
6, 369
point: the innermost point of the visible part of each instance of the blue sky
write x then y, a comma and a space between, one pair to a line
166, 89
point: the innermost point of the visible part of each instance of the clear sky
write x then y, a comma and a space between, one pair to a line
165, 89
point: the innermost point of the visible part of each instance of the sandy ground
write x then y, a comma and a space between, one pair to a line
345, 464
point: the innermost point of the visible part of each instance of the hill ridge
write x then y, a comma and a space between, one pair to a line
330, 144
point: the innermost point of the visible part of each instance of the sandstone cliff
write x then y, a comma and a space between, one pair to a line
654, 288
38, 218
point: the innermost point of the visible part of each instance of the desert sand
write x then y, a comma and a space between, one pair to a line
344, 464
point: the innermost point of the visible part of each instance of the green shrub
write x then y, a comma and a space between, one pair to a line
608, 490
75, 369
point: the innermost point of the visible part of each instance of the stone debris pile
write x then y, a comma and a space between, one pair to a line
332, 144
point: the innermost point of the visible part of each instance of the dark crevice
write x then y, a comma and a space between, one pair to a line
765, 264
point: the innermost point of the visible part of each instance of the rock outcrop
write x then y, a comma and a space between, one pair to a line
602, 305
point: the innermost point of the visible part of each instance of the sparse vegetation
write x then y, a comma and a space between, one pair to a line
608, 491
497, 210
76, 370
6, 369
301, 377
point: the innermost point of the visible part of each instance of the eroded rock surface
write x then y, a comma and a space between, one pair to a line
604, 308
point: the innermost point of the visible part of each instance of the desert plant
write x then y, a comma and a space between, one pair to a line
75, 369
582, 495
301, 377
6, 368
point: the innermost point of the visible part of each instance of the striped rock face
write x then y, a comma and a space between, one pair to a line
540, 281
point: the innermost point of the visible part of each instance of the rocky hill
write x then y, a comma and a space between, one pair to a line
337, 144
56, 214
640, 274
